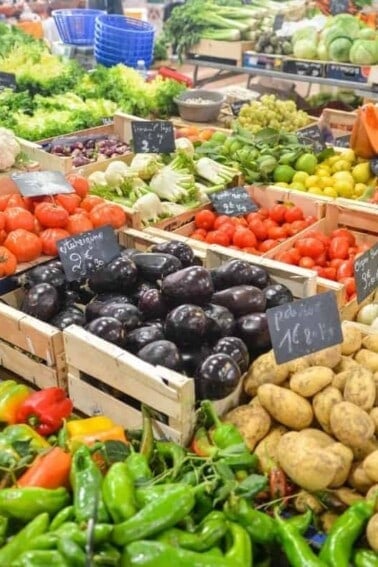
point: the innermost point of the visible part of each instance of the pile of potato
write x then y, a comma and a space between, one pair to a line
316, 417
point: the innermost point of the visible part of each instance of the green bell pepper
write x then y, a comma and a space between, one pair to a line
118, 493
26, 503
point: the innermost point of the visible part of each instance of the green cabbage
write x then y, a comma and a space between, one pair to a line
305, 49
364, 52
310, 33
339, 49
322, 51
349, 29
367, 33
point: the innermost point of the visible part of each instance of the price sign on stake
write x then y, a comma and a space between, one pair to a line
366, 273
153, 137
304, 326
39, 183
233, 202
7, 81
342, 141
237, 106
311, 136
87, 252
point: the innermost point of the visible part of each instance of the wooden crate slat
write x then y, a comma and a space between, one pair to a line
361, 219
323, 285
31, 370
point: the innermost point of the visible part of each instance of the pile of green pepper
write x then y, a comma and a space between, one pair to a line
163, 505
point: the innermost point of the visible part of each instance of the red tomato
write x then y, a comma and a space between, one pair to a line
79, 223
228, 228
350, 285
352, 251
344, 233
8, 262
2, 220
293, 214
319, 236
68, 201
309, 247
252, 216
239, 221
16, 200
198, 237
321, 260
221, 220
91, 201
267, 245
336, 263
345, 270
51, 216
244, 238
285, 257
25, 245
297, 226
251, 250
277, 213
218, 237
264, 213
4, 201
49, 237
108, 213
17, 217
205, 219
79, 183
277, 233
287, 228
338, 248
306, 262
310, 220
328, 272
258, 228
199, 231
294, 253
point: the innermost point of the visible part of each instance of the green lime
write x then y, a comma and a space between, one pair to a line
307, 163
283, 173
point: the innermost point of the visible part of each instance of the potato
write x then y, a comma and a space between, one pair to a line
346, 459
316, 438
345, 363
311, 468
370, 466
352, 338
374, 416
304, 501
339, 380
308, 382
372, 493
375, 376
255, 402
370, 342
328, 357
360, 388
266, 450
253, 423
265, 370
360, 453
351, 425
297, 364
285, 406
372, 532
367, 358
323, 403
358, 479
348, 496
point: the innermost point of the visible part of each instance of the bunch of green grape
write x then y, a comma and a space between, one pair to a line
270, 112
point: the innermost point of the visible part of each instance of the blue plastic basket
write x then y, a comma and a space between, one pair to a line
76, 26
132, 39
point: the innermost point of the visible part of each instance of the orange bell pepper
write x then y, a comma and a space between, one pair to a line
92, 430
49, 470
12, 396
88, 425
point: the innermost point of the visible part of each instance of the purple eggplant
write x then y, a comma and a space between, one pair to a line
236, 348
217, 377
193, 357
126, 313
107, 328
68, 317
253, 330
241, 299
179, 249
41, 301
221, 321
151, 303
231, 273
277, 294
119, 275
129, 252
153, 267
192, 284
94, 307
186, 325
45, 274
138, 338
140, 289
161, 353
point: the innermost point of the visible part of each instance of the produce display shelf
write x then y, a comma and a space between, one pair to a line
279, 75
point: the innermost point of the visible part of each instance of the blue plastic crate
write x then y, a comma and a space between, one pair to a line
76, 27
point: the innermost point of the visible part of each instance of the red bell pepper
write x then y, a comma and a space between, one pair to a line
45, 410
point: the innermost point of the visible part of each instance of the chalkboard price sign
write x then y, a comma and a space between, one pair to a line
304, 326
233, 202
278, 22
87, 252
39, 183
339, 7
153, 137
312, 136
342, 141
366, 273
7, 81
237, 106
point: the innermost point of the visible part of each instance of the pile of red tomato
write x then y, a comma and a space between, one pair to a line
31, 226
256, 232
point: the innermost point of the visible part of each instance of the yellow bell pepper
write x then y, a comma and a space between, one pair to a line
88, 425
93, 429
12, 395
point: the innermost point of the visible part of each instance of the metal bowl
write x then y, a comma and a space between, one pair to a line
199, 112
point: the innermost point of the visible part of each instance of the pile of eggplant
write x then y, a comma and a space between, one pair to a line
168, 310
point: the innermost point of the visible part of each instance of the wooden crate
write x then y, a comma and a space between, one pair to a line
227, 51
51, 162
339, 121
364, 226
29, 347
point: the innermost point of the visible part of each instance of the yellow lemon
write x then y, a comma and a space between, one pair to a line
300, 177
323, 171
330, 192
343, 176
344, 189
326, 181
315, 191
341, 165
349, 155
361, 172
298, 187
312, 181
359, 189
